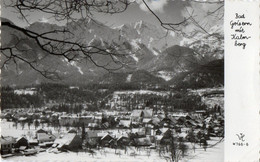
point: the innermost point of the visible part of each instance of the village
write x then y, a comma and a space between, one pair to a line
170, 134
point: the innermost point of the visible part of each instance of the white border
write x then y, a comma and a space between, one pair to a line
242, 85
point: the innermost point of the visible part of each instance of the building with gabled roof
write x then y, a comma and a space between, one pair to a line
148, 113
138, 115
44, 137
69, 141
41, 131
22, 141
73, 131
144, 141
125, 123
7, 144
163, 136
104, 141
122, 141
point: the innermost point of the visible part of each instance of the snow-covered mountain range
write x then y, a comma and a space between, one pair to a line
150, 49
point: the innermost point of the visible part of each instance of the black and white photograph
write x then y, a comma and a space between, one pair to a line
112, 80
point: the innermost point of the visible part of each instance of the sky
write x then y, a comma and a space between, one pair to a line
172, 11
167, 10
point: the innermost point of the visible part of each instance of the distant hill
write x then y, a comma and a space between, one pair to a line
139, 76
203, 76
175, 58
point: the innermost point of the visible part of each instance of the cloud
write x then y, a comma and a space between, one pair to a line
172, 33
44, 20
200, 14
155, 5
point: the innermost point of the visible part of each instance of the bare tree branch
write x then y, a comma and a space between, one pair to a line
63, 43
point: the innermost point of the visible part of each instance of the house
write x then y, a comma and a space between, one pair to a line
185, 130
69, 141
156, 121
163, 136
54, 117
189, 117
104, 141
7, 144
73, 131
75, 119
162, 131
124, 123
98, 117
145, 141
137, 116
158, 139
93, 138
199, 126
22, 141
44, 118
41, 131
172, 119
180, 121
190, 123
112, 143
44, 137
166, 122
33, 142
148, 113
161, 116
138, 131
183, 135
18, 115
95, 134
147, 121
7, 116
199, 113
93, 125
149, 129
68, 120
22, 119
105, 125
57, 135
122, 141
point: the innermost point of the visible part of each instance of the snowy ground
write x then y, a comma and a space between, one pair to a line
8, 129
214, 154
106, 154
161, 93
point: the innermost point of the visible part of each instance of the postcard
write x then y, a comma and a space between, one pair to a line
130, 80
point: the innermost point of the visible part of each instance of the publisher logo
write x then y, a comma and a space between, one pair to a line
241, 136
241, 140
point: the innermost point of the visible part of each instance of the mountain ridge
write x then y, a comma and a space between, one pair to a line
146, 57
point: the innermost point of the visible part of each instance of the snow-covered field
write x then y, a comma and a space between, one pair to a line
162, 93
105, 154
214, 154
211, 155
8, 129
